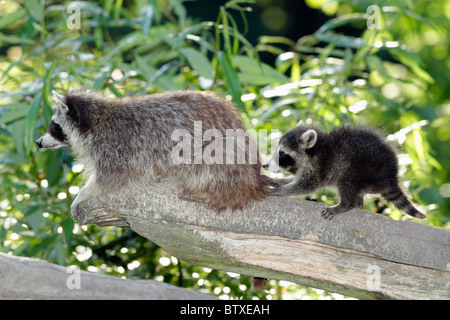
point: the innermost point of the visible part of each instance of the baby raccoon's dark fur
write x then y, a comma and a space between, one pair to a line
355, 160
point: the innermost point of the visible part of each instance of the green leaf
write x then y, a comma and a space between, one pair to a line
341, 41
30, 123
180, 11
418, 17
257, 73
325, 33
259, 79
281, 103
16, 111
68, 230
189, 30
278, 40
100, 81
35, 219
60, 251
147, 17
340, 21
411, 60
117, 9
14, 39
35, 9
12, 17
12, 65
48, 83
198, 62
53, 168
375, 63
295, 70
153, 75
16, 129
225, 30
230, 77
126, 43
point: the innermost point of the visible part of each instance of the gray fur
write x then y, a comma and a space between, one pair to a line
126, 143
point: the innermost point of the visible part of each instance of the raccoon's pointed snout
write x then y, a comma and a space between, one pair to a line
39, 143
272, 166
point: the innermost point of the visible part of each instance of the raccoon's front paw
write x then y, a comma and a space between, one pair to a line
77, 215
329, 213
275, 192
75, 212
273, 182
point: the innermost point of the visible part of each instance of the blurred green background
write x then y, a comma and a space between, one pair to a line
330, 62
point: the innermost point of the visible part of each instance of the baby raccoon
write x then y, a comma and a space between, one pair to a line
355, 160
127, 143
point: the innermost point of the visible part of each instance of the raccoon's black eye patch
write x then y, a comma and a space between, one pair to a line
56, 131
285, 160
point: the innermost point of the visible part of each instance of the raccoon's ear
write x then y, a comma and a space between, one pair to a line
308, 139
60, 99
300, 123
79, 111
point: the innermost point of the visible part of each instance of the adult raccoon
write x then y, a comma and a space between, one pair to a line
126, 143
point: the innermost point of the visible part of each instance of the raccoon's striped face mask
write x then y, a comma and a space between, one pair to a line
289, 156
54, 137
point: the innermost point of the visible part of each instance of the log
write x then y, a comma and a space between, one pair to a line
26, 278
358, 253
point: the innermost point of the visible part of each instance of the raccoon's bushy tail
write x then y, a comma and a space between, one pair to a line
395, 195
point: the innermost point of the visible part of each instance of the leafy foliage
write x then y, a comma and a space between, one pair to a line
381, 78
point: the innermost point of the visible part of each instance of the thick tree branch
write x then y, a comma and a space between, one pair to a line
358, 253
25, 278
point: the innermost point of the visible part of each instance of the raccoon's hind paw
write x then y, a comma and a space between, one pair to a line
329, 213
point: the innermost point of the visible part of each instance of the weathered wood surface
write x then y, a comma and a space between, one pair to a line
25, 278
358, 253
